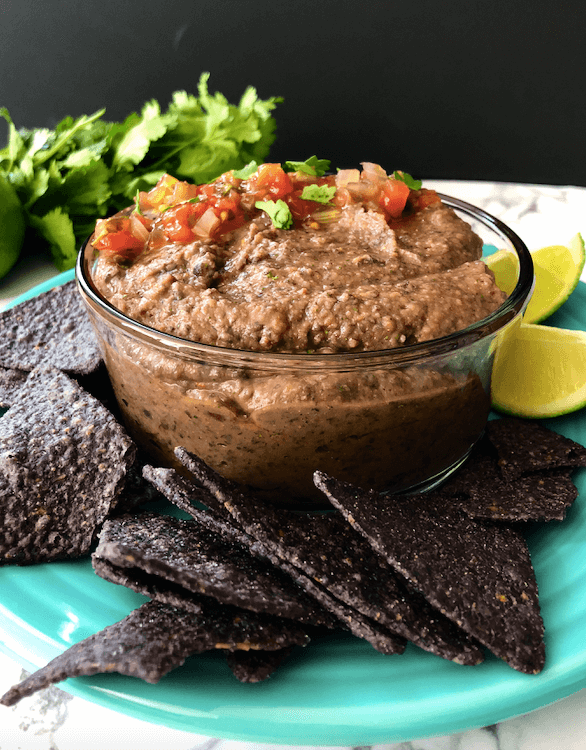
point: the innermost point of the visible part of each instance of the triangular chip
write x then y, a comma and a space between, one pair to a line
63, 462
542, 496
349, 618
326, 550
195, 501
484, 491
479, 575
153, 640
151, 586
191, 498
524, 446
50, 330
201, 562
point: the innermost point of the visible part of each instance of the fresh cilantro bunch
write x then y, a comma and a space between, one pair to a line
88, 167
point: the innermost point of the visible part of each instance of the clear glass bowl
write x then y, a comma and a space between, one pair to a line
396, 420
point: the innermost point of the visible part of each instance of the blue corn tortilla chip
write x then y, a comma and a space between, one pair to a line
201, 562
525, 446
326, 550
483, 493
11, 381
478, 574
63, 463
153, 587
194, 500
191, 499
256, 666
50, 330
542, 496
156, 638
346, 617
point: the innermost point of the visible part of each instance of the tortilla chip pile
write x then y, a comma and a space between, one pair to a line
448, 571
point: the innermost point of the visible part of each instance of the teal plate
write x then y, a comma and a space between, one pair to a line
338, 690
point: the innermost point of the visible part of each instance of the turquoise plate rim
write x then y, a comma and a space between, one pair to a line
338, 690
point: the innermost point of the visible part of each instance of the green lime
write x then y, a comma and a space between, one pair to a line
12, 226
540, 372
557, 272
505, 266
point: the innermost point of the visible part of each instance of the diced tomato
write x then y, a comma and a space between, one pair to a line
122, 243
206, 192
161, 194
115, 236
230, 213
178, 211
394, 197
300, 208
229, 203
271, 181
177, 222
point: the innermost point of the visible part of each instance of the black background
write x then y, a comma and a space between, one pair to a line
470, 90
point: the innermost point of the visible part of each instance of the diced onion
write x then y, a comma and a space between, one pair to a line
365, 190
345, 176
373, 172
138, 229
157, 239
206, 224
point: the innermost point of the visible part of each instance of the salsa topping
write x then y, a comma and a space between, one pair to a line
293, 195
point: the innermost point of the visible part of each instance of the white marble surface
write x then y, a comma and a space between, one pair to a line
53, 720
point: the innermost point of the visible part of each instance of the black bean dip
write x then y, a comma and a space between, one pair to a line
360, 271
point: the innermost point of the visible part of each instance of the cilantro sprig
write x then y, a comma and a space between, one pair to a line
312, 166
318, 193
411, 183
247, 171
278, 211
88, 167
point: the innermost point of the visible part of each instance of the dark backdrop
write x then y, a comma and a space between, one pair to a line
462, 89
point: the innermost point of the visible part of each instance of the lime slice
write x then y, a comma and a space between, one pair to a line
505, 266
557, 272
12, 224
540, 372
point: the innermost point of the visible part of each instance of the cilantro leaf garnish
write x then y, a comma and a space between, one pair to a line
278, 212
313, 166
411, 183
247, 171
318, 193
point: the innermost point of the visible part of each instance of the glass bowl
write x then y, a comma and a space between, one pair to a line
398, 420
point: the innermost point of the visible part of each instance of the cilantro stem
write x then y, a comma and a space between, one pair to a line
67, 135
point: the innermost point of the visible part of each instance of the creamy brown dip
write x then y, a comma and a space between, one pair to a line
362, 282
355, 284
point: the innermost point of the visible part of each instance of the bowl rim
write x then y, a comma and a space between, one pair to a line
408, 354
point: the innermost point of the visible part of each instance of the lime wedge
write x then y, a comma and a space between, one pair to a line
557, 272
505, 266
541, 372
